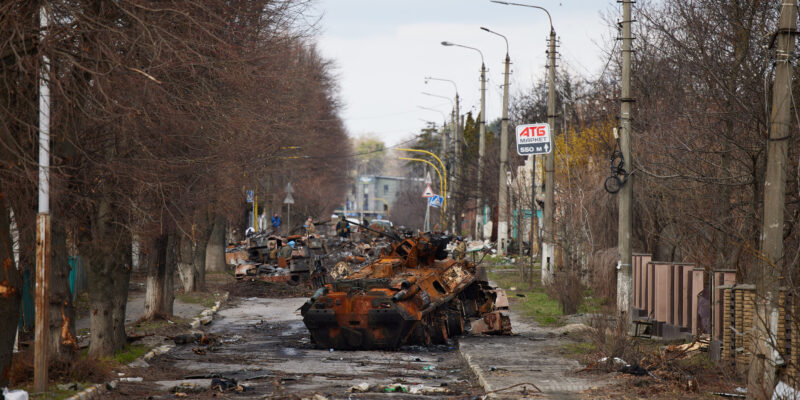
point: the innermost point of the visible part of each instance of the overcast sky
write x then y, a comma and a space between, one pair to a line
384, 49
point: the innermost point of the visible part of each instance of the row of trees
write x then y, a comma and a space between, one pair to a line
163, 113
702, 76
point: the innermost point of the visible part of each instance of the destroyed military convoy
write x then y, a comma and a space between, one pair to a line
383, 289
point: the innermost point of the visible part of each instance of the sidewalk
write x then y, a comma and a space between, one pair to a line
135, 309
530, 356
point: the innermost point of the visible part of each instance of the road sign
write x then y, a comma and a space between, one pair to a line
250, 196
428, 179
288, 199
289, 188
435, 201
534, 139
428, 192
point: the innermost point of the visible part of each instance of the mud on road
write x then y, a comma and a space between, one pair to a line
263, 344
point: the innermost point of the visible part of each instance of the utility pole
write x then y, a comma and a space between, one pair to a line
43, 222
479, 219
624, 277
770, 267
457, 169
548, 237
502, 206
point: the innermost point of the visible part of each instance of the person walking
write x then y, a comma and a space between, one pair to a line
276, 223
310, 228
343, 228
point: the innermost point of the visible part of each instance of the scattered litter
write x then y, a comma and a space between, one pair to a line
361, 387
394, 388
131, 379
730, 395
74, 386
429, 367
422, 389
744, 390
633, 370
14, 394
520, 295
513, 288
223, 384
331, 349
112, 385
616, 360
232, 339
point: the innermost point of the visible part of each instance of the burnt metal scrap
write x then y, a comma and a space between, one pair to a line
411, 294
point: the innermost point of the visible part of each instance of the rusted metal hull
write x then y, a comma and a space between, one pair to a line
411, 296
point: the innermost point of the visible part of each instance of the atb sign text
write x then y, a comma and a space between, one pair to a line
533, 139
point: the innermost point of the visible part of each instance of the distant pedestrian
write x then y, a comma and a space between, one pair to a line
343, 227
310, 228
276, 223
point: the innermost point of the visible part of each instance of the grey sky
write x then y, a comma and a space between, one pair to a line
384, 49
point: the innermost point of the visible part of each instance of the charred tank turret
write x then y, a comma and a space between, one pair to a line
412, 294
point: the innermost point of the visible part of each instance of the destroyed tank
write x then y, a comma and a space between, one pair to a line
411, 294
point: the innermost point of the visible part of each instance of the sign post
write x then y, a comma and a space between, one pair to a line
289, 200
534, 139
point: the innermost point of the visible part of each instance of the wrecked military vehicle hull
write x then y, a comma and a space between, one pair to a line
413, 295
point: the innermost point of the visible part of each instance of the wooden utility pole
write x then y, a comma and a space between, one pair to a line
548, 238
42, 223
624, 276
769, 273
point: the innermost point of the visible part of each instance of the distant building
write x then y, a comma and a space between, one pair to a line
373, 196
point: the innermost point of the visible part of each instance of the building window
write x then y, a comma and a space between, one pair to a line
385, 189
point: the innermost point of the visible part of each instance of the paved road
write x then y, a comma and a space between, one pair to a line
529, 356
264, 345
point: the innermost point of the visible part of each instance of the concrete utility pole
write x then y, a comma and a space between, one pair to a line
43, 223
770, 268
479, 218
624, 276
502, 202
482, 140
548, 240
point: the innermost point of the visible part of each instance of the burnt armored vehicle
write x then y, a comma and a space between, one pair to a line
411, 294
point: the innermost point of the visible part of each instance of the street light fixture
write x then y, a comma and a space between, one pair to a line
481, 141
549, 160
456, 144
502, 202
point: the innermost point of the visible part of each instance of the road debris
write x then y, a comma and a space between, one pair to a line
412, 294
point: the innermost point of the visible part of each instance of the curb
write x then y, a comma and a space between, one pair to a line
92, 392
476, 370
205, 318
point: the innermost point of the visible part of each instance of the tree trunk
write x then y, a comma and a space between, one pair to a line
215, 250
154, 258
108, 284
10, 295
169, 273
185, 265
108, 253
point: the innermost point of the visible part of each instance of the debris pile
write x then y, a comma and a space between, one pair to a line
413, 293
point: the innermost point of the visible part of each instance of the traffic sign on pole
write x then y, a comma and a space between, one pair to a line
534, 139
288, 199
435, 201
428, 179
428, 192
289, 188
250, 196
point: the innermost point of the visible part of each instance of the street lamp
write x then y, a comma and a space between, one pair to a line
549, 159
502, 202
481, 141
456, 143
